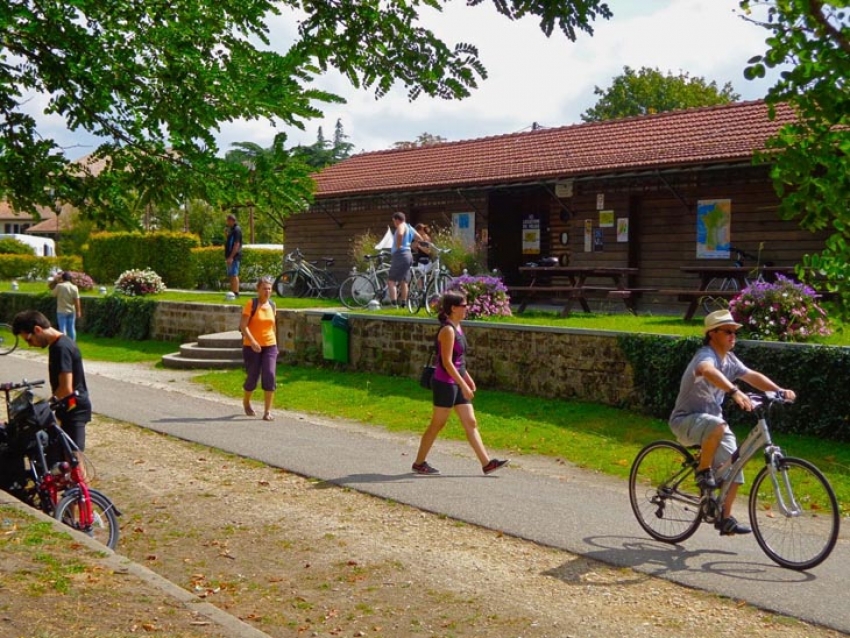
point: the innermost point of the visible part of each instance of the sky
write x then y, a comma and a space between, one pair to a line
532, 78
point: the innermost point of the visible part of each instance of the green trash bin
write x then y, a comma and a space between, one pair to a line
335, 331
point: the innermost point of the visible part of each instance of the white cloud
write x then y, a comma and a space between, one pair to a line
531, 78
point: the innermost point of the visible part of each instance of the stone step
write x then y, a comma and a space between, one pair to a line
213, 351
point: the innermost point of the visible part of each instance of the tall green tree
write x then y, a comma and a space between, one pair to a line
423, 139
810, 158
157, 78
648, 91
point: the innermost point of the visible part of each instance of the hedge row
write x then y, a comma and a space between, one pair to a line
816, 373
32, 267
108, 316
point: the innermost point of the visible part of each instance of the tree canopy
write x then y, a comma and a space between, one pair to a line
157, 79
648, 91
810, 158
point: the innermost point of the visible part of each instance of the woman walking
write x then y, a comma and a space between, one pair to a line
453, 388
259, 348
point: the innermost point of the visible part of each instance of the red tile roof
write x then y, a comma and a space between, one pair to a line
711, 135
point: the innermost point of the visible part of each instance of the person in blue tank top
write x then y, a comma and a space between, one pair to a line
401, 262
453, 388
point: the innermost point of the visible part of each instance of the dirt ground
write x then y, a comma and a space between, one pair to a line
291, 557
296, 557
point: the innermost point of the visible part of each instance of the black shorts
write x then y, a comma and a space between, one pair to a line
447, 395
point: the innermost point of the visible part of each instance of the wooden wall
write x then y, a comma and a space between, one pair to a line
660, 208
329, 228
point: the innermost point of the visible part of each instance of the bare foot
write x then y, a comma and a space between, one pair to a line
249, 411
268, 417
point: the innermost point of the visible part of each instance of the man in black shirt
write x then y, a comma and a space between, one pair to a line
65, 369
233, 252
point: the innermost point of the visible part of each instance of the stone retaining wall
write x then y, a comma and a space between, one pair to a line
548, 362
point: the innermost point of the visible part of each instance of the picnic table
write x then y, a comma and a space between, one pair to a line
543, 283
741, 275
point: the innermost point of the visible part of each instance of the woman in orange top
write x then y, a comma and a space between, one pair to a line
259, 347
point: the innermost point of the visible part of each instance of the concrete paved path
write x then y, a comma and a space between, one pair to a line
536, 499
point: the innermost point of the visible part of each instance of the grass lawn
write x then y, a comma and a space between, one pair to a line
592, 436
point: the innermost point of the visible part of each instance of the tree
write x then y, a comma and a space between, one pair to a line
270, 181
649, 91
156, 79
810, 158
322, 153
424, 139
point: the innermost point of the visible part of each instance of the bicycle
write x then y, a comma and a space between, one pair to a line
302, 278
792, 507
361, 288
41, 466
723, 284
428, 282
8, 339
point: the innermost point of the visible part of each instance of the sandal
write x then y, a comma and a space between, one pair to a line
268, 417
249, 411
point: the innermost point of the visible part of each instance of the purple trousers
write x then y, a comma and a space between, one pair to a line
262, 364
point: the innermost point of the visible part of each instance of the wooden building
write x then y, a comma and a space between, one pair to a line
636, 192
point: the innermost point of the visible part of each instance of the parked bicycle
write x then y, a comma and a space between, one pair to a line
302, 278
710, 302
792, 507
428, 282
361, 288
41, 466
8, 339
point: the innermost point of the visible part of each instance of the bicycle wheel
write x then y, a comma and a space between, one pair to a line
416, 291
436, 287
356, 292
8, 341
104, 528
710, 302
794, 514
663, 493
291, 284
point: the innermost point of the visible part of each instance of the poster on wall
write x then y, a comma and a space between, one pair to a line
588, 235
463, 228
714, 223
600, 201
622, 229
531, 235
606, 219
598, 240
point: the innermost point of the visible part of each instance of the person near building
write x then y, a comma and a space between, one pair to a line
233, 252
68, 306
697, 418
401, 260
453, 388
259, 348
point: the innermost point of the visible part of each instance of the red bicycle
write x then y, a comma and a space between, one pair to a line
41, 466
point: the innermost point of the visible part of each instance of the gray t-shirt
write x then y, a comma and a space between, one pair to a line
698, 395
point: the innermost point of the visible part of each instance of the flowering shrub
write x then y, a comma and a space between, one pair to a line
782, 311
485, 296
81, 280
135, 283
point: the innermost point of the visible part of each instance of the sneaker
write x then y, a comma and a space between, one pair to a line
425, 469
705, 479
730, 527
493, 465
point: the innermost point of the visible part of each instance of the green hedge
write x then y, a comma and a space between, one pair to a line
32, 267
817, 374
256, 262
168, 254
110, 316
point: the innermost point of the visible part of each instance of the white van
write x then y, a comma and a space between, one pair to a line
43, 246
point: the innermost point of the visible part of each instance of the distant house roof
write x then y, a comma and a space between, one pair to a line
711, 135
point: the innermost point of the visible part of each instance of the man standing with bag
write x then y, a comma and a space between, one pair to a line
65, 371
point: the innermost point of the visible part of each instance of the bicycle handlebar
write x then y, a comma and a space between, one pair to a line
17, 385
